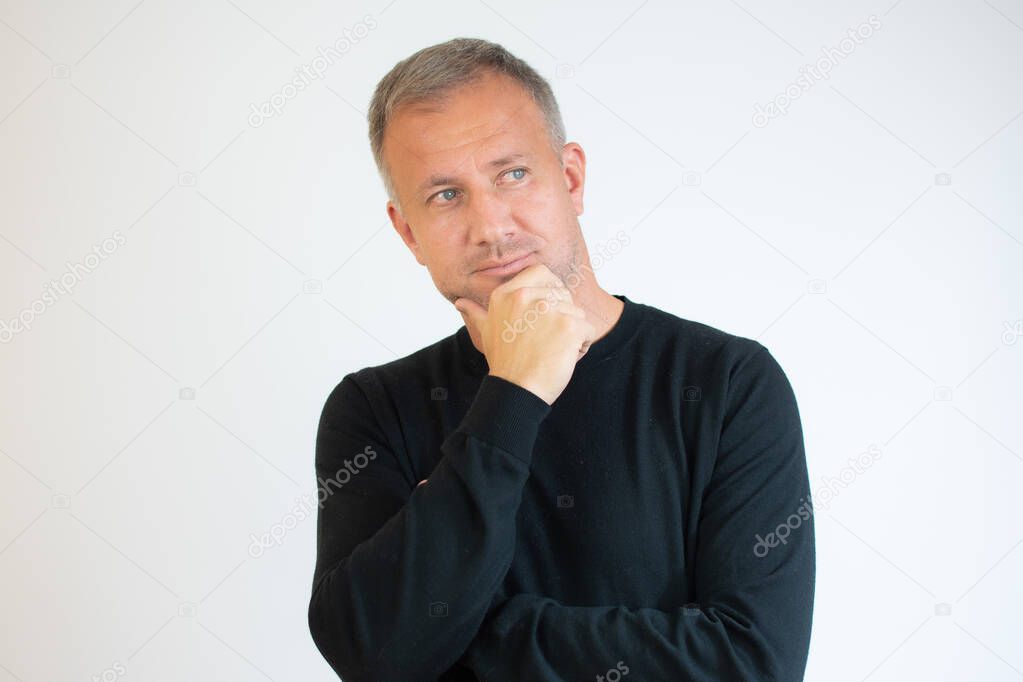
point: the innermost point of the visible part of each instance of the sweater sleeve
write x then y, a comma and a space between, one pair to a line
754, 572
404, 574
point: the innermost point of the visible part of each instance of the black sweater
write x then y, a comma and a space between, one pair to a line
654, 523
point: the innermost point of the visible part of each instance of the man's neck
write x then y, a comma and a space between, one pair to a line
602, 309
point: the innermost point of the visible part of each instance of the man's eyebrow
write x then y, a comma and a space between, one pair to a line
435, 180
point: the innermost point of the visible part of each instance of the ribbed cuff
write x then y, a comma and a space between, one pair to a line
505, 415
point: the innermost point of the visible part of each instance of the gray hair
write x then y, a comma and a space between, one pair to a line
434, 72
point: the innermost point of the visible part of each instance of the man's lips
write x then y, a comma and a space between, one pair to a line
509, 267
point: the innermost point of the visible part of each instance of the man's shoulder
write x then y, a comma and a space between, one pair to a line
716, 360
701, 342
418, 368
435, 354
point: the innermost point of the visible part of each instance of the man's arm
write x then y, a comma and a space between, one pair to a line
753, 608
405, 574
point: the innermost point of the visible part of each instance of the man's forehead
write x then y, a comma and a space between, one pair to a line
438, 153
462, 126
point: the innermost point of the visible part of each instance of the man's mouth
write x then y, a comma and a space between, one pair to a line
507, 267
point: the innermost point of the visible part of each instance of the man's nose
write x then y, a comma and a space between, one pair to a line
490, 218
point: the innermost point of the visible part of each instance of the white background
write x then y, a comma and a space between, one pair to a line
871, 238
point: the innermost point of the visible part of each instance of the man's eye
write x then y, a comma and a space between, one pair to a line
448, 195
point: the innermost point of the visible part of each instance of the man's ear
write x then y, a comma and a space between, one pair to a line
404, 230
573, 164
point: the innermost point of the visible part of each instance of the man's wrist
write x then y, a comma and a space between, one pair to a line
525, 384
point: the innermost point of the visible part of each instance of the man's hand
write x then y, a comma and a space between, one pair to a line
533, 333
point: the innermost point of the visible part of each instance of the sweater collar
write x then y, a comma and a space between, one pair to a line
605, 347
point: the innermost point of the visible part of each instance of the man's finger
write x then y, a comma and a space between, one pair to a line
472, 312
536, 275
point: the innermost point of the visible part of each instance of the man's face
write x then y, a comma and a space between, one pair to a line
479, 183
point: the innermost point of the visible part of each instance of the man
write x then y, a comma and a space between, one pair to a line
573, 485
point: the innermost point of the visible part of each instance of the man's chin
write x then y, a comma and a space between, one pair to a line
483, 301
